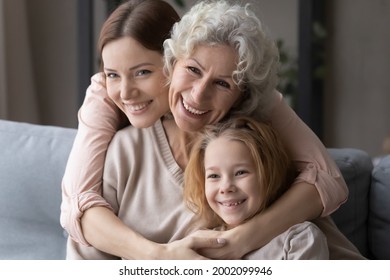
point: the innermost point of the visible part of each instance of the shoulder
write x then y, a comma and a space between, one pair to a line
302, 241
98, 80
306, 241
304, 228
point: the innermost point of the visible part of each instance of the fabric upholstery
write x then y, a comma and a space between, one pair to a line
379, 218
32, 163
351, 217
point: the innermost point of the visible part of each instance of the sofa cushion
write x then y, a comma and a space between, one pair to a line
379, 219
352, 216
33, 159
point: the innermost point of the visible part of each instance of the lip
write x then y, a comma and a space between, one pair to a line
191, 110
137, 107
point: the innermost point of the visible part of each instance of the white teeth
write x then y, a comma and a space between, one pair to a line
192, 110
138, 107
230, 204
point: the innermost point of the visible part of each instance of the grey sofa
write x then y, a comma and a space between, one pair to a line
32, 163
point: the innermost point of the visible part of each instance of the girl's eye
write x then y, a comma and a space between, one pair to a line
193, 70
143, 72
241, 172
223, 84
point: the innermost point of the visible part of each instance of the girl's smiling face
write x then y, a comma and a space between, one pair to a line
232, 186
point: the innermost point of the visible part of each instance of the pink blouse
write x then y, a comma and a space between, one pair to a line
100, 118
310, 157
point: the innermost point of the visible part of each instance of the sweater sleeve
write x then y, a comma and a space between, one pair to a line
99, 119
310, 157
305, 242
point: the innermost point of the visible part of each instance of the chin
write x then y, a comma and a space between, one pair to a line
141, 124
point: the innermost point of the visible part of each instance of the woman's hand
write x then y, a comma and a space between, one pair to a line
188, 247
290, 209
235, 244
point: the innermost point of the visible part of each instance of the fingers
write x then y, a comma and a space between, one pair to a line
221, 241
203, 242
180, 250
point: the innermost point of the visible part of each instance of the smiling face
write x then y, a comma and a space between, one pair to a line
231, 184
202, 90
135, 81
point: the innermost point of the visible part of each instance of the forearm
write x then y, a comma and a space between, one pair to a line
99, 119
106, 232
310, 157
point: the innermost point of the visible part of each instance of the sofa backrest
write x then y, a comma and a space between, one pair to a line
352, 217
32, 163
379, 218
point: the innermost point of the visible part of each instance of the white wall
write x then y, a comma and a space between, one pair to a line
279, 16
3, 80
18, 95
357, 98
53, 35
357, 111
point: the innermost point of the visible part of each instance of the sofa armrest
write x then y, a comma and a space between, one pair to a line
352, 217
379, 219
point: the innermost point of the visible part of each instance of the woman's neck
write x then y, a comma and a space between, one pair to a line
179, 141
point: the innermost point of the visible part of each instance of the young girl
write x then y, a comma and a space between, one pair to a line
236, 170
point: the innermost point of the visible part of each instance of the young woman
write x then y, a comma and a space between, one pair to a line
236, 170
131, 89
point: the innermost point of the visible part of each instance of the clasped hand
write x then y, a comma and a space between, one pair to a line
206, 244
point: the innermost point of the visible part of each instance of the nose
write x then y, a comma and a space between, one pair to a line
200, 90
128, 90
227, 186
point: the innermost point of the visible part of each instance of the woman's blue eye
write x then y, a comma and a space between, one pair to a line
142, 72
111, 75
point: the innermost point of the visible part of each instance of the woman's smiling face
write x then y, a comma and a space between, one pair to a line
202, 90
135, 81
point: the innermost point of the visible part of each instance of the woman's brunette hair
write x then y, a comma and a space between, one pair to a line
147, 21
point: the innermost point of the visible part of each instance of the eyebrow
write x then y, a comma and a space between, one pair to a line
134, 67
202, 67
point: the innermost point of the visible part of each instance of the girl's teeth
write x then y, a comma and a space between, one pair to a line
232, 204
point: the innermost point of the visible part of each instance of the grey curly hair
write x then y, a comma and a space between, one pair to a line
223, 22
